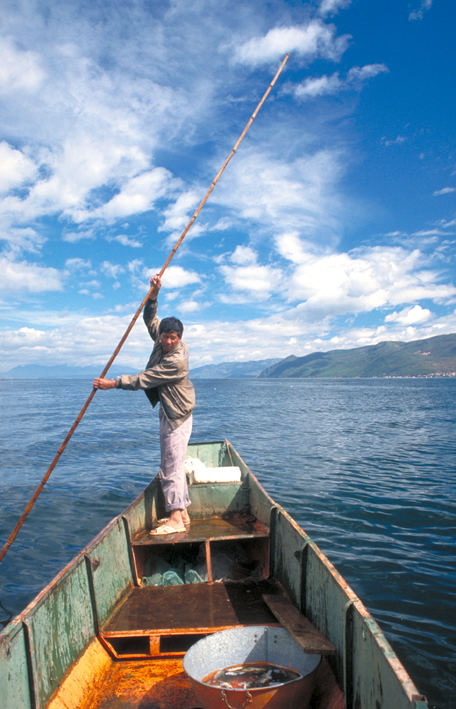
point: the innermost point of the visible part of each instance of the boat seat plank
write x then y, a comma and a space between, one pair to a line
307, 636
227, 527
191, 607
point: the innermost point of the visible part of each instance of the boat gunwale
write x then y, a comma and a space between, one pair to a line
52, 585
355, 602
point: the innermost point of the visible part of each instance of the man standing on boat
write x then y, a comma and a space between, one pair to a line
165, 380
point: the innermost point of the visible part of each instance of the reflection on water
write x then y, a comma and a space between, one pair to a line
366, 467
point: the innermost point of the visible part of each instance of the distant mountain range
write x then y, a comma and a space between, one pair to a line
60, 371
434, 356
233, 370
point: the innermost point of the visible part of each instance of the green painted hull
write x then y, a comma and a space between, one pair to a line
39, 648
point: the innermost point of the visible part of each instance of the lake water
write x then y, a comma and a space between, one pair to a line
366, 467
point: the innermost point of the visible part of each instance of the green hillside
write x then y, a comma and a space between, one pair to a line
432, 356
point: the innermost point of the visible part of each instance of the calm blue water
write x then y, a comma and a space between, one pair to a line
367, 467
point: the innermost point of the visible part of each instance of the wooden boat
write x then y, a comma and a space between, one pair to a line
107, 632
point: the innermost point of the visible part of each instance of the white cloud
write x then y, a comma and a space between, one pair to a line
113, 96
398, 140
291, 247
126, 241
72, 237
331, 7
320, 86
189, 306
81, 340
15, 167
91, 284
222, 224
179, 213
247, 276
363, 281
360, 73
243, 255
83, 164
112, 270
77, 264
22, 239
298, 194
88, 292
258, 281
444, 190
94, 127
414, 315
326, 85
136, 265
175, 277
100, 127
87, 164
284, 334
428, 232
19, 70
137, 196
20, 276
418, 14
308, 41
105, 102
91, 288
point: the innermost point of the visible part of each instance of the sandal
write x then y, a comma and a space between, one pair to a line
167, 529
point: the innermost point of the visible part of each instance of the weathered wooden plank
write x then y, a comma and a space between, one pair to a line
210, 499
300, 628
371, 681
230, 526
110, 580
61, 625
191, 605
287, 544
14, 677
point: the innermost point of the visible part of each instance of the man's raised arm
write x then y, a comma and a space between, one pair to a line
151, 307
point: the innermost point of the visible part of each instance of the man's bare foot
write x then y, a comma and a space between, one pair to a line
175, 519
185, 517
174, 523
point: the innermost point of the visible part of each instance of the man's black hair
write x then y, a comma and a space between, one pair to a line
171, 325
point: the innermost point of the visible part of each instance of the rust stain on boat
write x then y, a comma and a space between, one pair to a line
85, 676
97, 682
146, 685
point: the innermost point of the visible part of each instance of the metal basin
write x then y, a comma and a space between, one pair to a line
259, 643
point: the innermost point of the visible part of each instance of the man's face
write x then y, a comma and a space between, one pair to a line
169, 340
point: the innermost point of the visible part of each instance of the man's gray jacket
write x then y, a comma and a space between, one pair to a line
165, 378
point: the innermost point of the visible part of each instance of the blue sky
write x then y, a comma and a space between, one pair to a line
332, 227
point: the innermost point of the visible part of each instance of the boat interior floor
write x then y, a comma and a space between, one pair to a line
144, 685
163, 684
153, 626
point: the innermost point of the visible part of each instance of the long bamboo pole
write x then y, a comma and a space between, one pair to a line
135, 317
